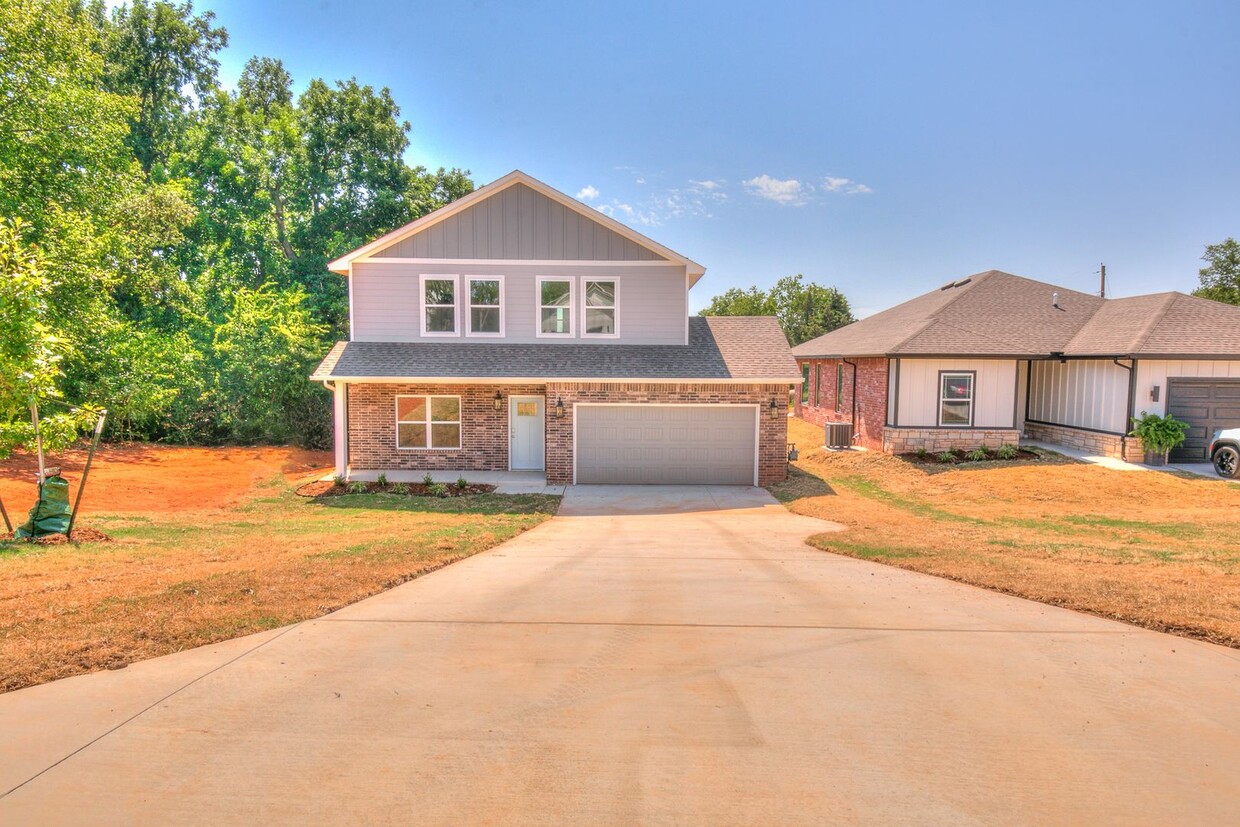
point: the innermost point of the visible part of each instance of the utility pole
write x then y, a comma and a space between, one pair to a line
1102, 290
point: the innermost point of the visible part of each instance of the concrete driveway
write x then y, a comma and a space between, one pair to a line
651, 656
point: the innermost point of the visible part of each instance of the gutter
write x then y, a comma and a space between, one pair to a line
1132, 390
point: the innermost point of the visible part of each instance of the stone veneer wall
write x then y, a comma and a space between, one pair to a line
908, 440
871, 398
1105, 445
772, 431
484, 430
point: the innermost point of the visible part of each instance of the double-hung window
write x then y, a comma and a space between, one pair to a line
839, 387
486, 305
428, 422
439, 303
555, 306
601, 300
805, 384
956, 398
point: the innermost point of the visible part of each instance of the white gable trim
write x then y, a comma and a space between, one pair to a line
341, 265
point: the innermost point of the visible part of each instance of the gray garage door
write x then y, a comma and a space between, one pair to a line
1206, 405
665, 444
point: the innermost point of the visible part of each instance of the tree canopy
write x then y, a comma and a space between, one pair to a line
805, 310
1220, 278
164, 240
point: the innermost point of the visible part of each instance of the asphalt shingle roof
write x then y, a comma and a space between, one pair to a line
740, 348
999, 314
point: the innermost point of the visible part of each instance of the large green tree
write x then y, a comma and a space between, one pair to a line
1220, 278
805, 310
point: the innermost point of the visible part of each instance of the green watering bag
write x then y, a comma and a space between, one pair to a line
50, 514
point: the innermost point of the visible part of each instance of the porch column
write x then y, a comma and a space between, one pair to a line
341, 427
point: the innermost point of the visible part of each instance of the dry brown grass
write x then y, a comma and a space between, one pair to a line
1154, 549
251, 556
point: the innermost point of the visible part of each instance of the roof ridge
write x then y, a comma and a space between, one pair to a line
1147, 329
975, 279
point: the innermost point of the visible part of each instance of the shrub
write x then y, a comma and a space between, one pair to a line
946, 457
1007, 452
339, 480
427, 479
383, 480
977, 455
921, 452
460, 483
400, 488
357, 488
1159, 434
437, 489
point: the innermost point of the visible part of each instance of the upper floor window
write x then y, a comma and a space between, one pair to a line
439, 316
600, 307
555, 306
956, 398
486, 305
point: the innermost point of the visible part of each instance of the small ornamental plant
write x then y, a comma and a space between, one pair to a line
357, 488
400, 488
382, 480
427, 479
339, 480
437, 489
460, 483
947, 457
1159, 434
977, 455
1007, 452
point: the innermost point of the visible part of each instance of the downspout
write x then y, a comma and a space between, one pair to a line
1132, 403
856, 433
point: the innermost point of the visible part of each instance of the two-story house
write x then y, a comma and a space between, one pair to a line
519, 329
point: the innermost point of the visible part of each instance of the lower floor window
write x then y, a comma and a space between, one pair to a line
428, 421
955, 398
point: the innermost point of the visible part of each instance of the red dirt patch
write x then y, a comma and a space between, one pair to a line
140, 478
83, 534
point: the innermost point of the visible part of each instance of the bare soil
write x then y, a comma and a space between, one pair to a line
213, 543
1157, 549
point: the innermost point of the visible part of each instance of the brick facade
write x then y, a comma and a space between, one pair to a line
1104, 445
772, 431
934, 440
484, 430
824, 407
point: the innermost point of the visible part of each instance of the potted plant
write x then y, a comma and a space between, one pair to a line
1158, 434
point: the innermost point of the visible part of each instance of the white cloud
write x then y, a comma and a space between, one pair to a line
789, 192
708, 185
847, 186
641, 180
629, 214
587, 193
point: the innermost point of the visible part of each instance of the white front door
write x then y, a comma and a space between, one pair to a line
525, 433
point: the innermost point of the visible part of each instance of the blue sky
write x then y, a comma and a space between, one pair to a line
883, 148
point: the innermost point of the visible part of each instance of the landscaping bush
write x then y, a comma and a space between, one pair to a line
1007, 452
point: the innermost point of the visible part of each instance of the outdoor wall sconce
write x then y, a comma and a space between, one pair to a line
1154, 393
792, 453
559, 408
498, 401
773, 408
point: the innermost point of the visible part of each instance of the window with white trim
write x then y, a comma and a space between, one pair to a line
424, 422
555, 306
956, 398
600, 300
486, 305
839, 387
439, 306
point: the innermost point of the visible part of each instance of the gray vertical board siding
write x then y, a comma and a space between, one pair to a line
519, 223
652, 311
1084, 393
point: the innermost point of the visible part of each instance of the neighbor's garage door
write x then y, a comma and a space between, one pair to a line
1206, 405
666, 444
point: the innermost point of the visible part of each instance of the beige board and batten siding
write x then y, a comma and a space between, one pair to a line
1157, 372
519, 223
994, 391
1080, 393
653, 301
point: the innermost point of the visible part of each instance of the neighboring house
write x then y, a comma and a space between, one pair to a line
519, 329
989, 358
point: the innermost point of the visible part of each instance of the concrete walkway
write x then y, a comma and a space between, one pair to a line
651, 656
1201, 469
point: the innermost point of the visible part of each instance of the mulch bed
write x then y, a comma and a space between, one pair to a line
328, 488
82, 534
932, 458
